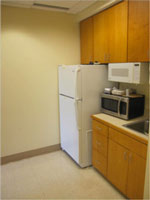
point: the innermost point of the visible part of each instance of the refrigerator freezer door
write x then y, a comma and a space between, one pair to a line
70, 81
70, 123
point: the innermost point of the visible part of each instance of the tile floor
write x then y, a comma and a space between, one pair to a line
53, 176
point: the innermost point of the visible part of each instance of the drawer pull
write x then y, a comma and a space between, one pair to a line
98, 128
98, 162
98, 143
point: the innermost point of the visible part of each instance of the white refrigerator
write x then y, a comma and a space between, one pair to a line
80, 88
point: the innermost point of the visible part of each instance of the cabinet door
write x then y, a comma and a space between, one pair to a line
86, 40
136, 176
138, 31
110, 34
118, 32
117, 165
101, 35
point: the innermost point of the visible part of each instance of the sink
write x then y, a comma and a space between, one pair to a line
140, 126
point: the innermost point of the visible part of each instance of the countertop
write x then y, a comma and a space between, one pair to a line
117, 124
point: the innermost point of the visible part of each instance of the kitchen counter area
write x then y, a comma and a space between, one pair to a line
117, 123
120, 153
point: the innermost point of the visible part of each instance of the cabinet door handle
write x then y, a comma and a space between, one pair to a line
98, 143
108, 57
99, 128
105, 57
125, 155
130, 157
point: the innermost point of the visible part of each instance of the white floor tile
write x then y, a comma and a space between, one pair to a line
54, 176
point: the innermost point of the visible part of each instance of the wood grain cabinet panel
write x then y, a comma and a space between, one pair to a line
99, 162
100, 128
118, 165
126, 170
100, 143
136, 176
101, 35
86, 40
129, 143
110, 34
118, 32
120, 158
138, 31
100, 147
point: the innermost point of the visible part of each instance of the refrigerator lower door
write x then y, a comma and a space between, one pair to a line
70, 126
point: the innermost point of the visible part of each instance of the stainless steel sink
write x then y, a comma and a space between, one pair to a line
140, 126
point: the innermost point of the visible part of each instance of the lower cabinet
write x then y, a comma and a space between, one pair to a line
126, 170
136, 176
118, 165
118, 158
100, 147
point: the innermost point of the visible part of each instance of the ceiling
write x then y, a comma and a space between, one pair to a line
69, 6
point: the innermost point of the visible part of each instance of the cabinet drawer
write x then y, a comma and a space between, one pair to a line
100, 143
99, 162
128, 142
100, 128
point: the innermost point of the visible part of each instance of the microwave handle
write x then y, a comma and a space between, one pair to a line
119, 106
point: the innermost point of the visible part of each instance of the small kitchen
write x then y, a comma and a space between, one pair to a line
75, 89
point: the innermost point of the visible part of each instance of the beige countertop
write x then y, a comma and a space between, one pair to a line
117, 123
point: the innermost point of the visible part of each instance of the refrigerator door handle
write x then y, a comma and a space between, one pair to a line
76, 113
76, 83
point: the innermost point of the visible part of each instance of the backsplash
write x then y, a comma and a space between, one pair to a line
140, 89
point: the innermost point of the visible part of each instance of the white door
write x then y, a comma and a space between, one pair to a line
70, 81
69, 126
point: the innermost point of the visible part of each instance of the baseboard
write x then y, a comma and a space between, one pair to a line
28, 154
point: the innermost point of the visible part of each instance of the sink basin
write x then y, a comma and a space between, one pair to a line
140, 126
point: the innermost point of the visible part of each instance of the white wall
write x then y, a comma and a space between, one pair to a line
34, 42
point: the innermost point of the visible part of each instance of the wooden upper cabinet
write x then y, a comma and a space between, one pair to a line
118, 21
101, 34
117, 34
110, 34
86, 40
138, 31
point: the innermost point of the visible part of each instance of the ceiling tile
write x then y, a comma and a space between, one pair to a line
70, 6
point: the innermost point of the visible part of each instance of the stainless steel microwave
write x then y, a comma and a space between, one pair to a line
122, 106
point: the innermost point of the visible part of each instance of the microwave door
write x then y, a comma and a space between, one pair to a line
111, 106
120, 72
